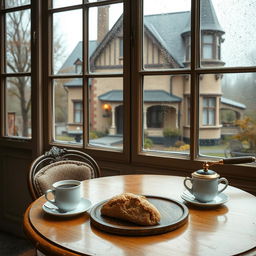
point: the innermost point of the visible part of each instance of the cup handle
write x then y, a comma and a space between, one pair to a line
225, 182
46, 196
185, 185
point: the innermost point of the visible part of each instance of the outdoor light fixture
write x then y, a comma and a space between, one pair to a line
107, 109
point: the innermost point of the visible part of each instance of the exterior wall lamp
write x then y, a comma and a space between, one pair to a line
107, 108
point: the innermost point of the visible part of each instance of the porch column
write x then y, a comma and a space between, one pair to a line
177, 117
112, 129
145, 127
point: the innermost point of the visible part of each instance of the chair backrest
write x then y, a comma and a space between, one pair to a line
60, 164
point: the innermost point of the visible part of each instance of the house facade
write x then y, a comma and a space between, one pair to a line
166, 99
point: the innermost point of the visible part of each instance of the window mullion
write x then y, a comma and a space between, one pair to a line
2, 91
136, 49
195, 60
85, 83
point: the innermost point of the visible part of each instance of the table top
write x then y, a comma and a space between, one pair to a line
226, 230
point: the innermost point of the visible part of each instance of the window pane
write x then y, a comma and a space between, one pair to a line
166, 33
67, 41
15, 3
67, 111
234, 129
105, 31
212, 102
78, 112
18, 46
106, 112
63, 3
205, 117
211, 116
208, 39
207, 52
166, 109
18, 107
235, 28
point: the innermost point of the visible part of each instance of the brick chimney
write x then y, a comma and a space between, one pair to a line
103, 22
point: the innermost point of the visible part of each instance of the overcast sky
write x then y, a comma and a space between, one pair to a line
237, 18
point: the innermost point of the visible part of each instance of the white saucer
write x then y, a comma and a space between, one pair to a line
83, 206
218, 200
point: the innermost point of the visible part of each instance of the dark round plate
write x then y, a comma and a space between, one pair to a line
173, 215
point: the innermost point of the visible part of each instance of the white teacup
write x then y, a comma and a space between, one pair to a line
67, 194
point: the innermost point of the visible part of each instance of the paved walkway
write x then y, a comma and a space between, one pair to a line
107, 140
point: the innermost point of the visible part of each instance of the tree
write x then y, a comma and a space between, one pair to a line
18, 60
247, 131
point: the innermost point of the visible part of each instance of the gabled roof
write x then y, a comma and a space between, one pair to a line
118, 26
166, 29
77, 54
148, 96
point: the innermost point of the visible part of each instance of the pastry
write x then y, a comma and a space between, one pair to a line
133, 208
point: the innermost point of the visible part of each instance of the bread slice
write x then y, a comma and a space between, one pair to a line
133, 208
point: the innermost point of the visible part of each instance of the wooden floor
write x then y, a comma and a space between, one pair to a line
11, 245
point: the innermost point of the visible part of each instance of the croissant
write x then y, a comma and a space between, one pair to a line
133, 208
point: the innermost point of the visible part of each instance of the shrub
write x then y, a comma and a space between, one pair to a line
184, 147
148, 143
247, 131
96, 134
179, 143
171, 132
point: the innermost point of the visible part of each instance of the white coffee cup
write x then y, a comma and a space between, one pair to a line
67, 194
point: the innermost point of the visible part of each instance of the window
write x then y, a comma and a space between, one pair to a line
86, 63
126, 80
121, 49
218, 46
16, 72
209, 111
78, 112
207, 47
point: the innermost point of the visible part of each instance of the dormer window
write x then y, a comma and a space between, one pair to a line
78, 66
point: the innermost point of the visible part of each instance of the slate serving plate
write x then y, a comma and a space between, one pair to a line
174, 214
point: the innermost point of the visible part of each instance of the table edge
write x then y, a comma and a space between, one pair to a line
40, 242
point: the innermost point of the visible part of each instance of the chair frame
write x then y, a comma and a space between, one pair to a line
56, 154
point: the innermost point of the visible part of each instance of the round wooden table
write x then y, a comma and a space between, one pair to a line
227, 230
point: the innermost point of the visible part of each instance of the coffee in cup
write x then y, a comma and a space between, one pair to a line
67, 194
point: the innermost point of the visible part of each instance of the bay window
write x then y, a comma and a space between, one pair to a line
122, 73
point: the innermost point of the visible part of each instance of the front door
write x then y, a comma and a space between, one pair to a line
119, 119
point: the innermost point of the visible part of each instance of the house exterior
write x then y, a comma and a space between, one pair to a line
166, 98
